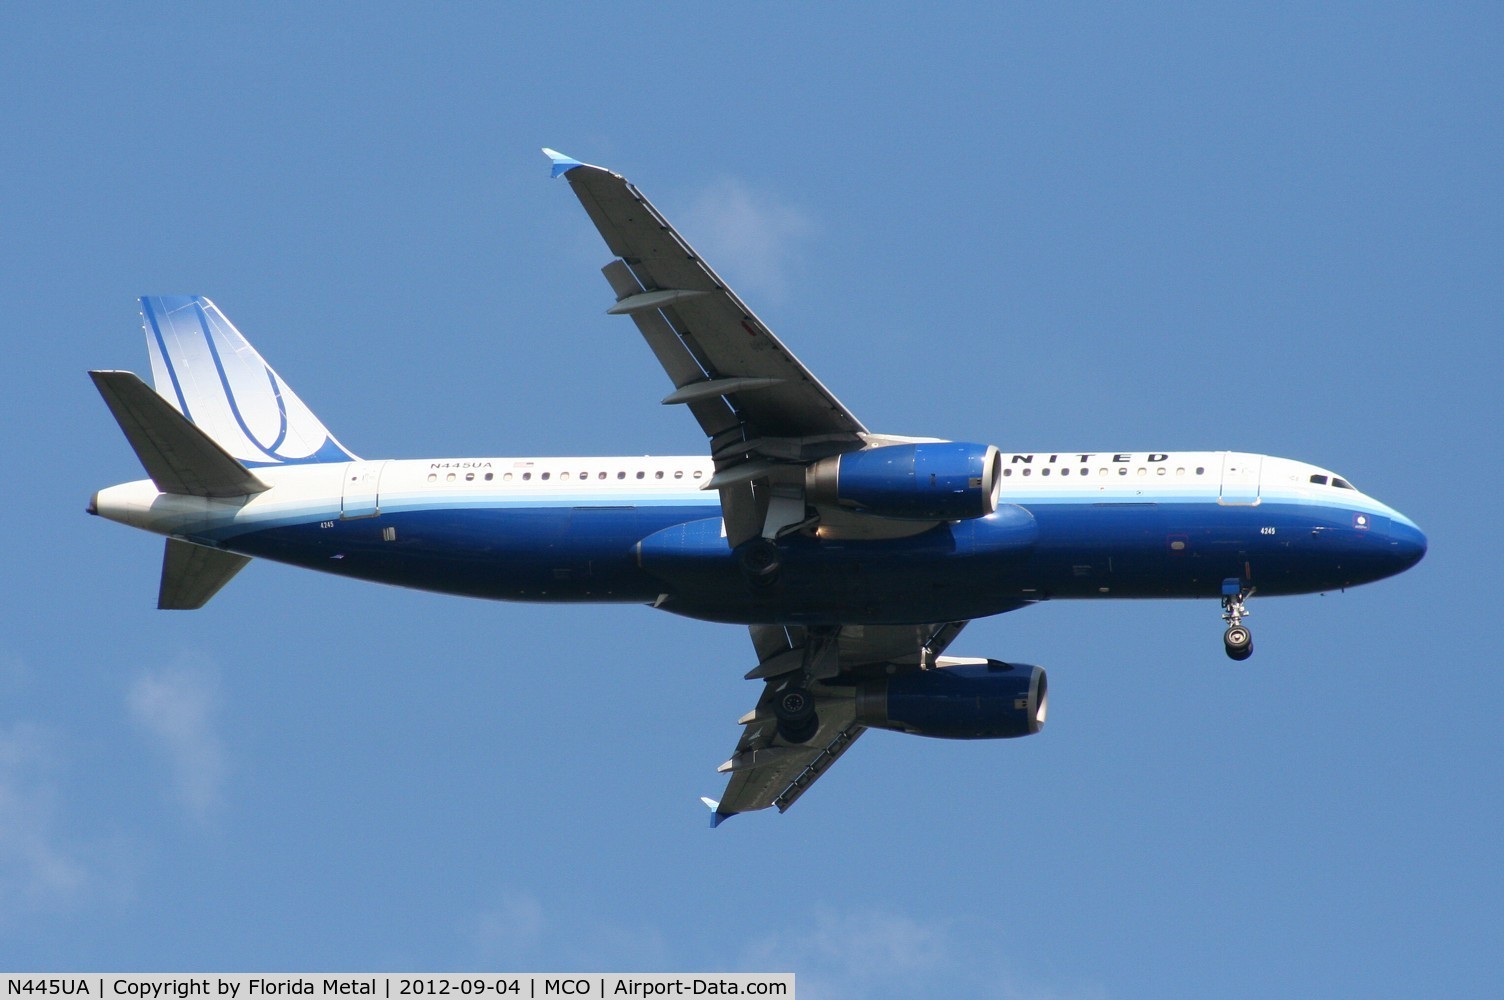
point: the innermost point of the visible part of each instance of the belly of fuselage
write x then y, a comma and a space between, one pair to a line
1187, 550
678, 559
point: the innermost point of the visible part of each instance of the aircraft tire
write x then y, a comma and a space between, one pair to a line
800, 734
1238, 641
760, 562
794, 708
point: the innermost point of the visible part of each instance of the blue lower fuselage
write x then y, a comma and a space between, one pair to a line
675, 557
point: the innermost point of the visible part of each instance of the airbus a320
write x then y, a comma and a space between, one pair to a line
854, 558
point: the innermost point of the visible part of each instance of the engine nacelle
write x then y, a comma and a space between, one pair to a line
960, 699
927, 481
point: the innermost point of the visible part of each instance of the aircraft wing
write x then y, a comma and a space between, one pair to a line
766, 770
762, 410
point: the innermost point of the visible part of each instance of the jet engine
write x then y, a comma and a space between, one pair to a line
960, 699
928, 481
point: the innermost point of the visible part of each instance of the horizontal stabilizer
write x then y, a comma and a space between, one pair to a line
191, 574
177, 456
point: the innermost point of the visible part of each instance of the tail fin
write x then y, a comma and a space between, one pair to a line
203, 366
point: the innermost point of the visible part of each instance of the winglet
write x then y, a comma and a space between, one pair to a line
562, 164
716, 816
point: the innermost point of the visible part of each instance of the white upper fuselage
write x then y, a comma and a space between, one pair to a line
356, 489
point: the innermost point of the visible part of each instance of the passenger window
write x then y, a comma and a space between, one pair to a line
526, 476
449, 478
547, 474
678, 473
640, 474
658, 474
488, 477
433, 477
469, 477
621, 475
506, 476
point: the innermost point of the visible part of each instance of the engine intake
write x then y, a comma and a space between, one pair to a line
961, 699
929, 481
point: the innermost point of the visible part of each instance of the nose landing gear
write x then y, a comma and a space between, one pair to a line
1237, 640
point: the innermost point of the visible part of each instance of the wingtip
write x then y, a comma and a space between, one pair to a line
716, 816
562, 164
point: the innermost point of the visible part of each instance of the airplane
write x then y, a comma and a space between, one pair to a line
853, 558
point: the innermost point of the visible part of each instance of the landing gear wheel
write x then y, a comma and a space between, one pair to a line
802, 734
794, 709
1237, 638
1239, 642
760, 562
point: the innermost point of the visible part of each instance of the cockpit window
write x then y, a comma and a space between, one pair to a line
1342, 484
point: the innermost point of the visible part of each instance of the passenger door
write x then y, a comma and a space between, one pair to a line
1240, 479
362, 497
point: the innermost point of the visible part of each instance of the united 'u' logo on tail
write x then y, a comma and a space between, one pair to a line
203, 366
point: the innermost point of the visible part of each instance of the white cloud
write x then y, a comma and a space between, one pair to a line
177, 707
749, 237
36, 871
838, 955
639, 945
509, 933
516, 932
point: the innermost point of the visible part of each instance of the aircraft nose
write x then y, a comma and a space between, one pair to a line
1407, 543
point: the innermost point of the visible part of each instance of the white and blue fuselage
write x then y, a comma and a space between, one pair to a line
642, 530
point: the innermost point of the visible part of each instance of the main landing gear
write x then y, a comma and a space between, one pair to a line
793, 703
760, 562
794, 708
1237, 639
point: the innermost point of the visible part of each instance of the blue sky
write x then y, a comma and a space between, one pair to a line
1051, 227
